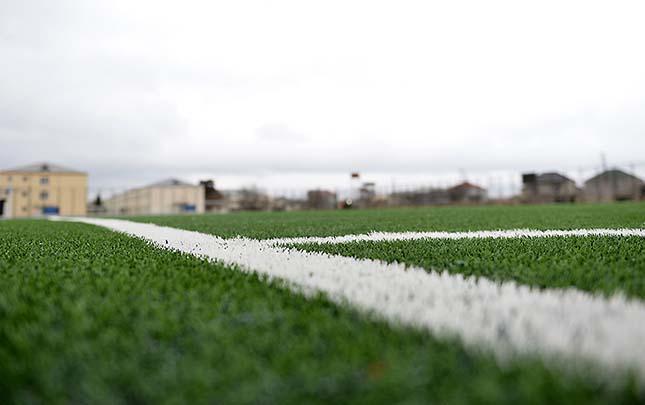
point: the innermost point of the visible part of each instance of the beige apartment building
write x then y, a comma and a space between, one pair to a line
170, 196
42, 189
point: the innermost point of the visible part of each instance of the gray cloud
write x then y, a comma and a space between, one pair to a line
132, 95
278, 133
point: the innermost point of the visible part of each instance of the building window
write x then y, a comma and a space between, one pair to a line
25, 193
25, 178
24, 209
44, 180
9, 178
44, 195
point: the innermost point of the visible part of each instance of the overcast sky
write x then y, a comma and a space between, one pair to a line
284, 91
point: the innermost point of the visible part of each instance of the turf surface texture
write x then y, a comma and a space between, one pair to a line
89, 315
261, 225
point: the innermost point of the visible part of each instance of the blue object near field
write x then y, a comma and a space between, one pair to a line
189, 208
50, 210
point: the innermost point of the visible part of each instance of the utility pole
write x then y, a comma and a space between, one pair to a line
635, 190
603, 161
464, 177
354, 186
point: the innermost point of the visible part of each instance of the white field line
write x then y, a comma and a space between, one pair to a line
501, 234
509, 319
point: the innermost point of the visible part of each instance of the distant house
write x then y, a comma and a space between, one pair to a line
321, 199
613, 185
288, 204
170, 196
422, 196
42, 189
252, 199
467, 193
548, 187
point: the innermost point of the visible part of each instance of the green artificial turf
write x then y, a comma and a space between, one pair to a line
341, 222
92, 316
594, 263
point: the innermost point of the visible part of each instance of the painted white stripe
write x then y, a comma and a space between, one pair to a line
509, 319
501, 234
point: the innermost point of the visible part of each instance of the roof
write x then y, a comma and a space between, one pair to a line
553, 178
466, 185
613, 174
43, 167
169, 183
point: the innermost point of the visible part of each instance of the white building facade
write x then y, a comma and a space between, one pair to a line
170, 196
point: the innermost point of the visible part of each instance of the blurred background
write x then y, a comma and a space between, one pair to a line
118, 107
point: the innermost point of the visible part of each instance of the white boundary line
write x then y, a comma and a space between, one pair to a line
501, 234
509, 319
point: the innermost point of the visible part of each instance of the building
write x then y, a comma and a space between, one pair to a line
419, 197
467, 193
321, 200
170, 196
42, 189
252, 199
245, 199
548, 188
613, 185
288, 204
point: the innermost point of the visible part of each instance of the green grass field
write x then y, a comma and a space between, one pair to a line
327, 223
91, 316
605, 265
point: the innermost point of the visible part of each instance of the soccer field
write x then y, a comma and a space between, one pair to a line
262, 312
